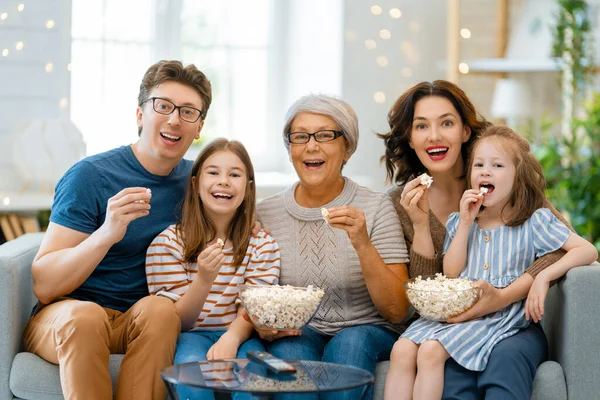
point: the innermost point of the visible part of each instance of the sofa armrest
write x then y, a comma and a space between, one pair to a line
571, 323
16, 299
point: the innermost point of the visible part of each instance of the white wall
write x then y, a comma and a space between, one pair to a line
308, 58
416, 51
27, 91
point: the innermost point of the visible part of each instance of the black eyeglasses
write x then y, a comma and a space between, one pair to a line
320, 136
166, 107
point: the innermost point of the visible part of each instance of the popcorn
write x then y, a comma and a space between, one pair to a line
325, 214
144, 201
280, 307
426, 180
303, 381
441, 297
482, 190
220, 242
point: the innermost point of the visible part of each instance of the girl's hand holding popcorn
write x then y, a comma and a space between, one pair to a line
209, 262
469, 205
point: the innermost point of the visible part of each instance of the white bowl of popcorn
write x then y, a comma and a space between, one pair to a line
281, 308
440, 297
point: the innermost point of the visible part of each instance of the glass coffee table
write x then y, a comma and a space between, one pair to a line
242, 375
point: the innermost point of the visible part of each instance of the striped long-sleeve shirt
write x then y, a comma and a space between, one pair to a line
168, 275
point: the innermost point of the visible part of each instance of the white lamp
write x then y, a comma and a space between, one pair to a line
40, 153
511, 101
43, 150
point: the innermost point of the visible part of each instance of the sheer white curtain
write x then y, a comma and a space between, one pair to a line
110, 52
259, 55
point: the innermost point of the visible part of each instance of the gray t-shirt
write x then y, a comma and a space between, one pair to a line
314, 253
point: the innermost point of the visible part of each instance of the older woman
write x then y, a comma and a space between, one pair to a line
432, 127
358, 256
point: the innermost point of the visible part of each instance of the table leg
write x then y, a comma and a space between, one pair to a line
264, 396
365, 391
171, 391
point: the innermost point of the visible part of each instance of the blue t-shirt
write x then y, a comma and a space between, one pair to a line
80, 202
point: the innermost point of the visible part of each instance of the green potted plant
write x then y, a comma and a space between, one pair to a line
572, 169
571, 160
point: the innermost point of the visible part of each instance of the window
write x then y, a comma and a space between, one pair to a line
109, 55
227, 40
259, 56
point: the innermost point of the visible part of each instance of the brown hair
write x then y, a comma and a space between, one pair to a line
173, 70
195, 227
529, 186
401, 161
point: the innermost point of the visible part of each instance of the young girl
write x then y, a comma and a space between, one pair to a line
199, 262
494, 238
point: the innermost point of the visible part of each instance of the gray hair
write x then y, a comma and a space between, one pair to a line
337, 109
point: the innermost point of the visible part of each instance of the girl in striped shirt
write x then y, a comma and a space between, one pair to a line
199, 262
494, 238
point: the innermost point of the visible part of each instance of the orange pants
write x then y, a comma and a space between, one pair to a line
79, 336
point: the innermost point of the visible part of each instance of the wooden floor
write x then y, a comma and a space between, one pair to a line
15, 225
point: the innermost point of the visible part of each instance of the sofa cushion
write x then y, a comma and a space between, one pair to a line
33, 378
549, 382
380, 373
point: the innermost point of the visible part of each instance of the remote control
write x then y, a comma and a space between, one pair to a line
270, 361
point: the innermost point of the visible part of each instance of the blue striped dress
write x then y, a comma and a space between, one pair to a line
498, 256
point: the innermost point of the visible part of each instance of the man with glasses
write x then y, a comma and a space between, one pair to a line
166, 107
89, 273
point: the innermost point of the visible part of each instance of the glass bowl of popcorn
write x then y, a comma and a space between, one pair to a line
440, 297
283, 308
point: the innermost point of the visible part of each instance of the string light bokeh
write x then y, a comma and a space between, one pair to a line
6, 17
389, 19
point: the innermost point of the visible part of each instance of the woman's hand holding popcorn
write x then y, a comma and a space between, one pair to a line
353, 221
414, 200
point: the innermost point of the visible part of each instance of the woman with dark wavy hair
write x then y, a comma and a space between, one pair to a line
432, 128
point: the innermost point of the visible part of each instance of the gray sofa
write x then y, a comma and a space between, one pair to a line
571, 324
